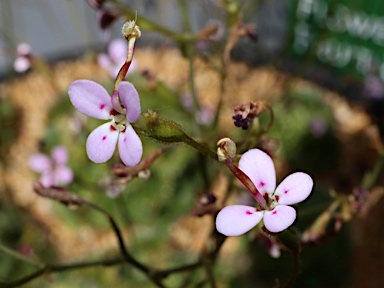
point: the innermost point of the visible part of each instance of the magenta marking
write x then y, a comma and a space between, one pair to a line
286, 191
102, 106
113, 112
274, 212
248, 212
104, 137
261, 184
112, 128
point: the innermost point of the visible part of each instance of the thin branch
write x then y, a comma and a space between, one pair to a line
60, 268
19, 256
69, 198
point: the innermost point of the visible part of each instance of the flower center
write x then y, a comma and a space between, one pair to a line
119, 121
272, 201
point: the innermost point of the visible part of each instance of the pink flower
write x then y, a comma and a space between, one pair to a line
235, 220
23, 61
53, 171
117, 54
91, 99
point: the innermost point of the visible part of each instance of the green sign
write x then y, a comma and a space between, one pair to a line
347, 35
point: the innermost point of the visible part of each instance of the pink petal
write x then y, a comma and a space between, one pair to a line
24, 49
21, 64
101, 143
90, 98
131, 101
63, 175
133, 67
40, 162
47, 179
279, 218
294, 189
104, 61
235, 220
260, 169
130, 147
60, 155
117, 51
114, 70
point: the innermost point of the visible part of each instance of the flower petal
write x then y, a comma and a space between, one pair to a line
46, 179
90, 98
101, 143
40, 162
294, 189
117, 51
104, 61
235, 220
63, 175
130, 99
130, 147
279, 218
260, 169
60, 155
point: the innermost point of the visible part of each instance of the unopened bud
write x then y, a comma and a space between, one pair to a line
162, 129
226, 149
144, 174
130, 29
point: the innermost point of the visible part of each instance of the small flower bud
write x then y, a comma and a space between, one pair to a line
130, 29
226, 149
162, 129
247, 112
144, 174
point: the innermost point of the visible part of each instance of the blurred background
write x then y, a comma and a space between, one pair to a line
318, 64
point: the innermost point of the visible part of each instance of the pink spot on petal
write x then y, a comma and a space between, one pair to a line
102, 106
261, 184
286, 191
274, 212
104, 137
248, 212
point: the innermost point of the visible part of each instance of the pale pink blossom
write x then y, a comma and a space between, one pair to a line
235, 220
91, 99
115, 58
23, 60
54, 169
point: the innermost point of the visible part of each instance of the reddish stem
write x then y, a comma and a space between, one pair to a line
247, 183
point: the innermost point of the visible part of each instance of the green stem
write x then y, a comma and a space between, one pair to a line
18, 256
370, 178
295, 271
200, 147
190, 51
147, 24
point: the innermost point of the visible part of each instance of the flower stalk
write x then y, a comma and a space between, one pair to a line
227, 151
131, 32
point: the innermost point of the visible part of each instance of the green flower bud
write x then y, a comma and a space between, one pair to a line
162, 129
153, 126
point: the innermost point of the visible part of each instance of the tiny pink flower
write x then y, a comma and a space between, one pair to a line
91, 99
236, 220
54, 170
23, 60
117, 54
